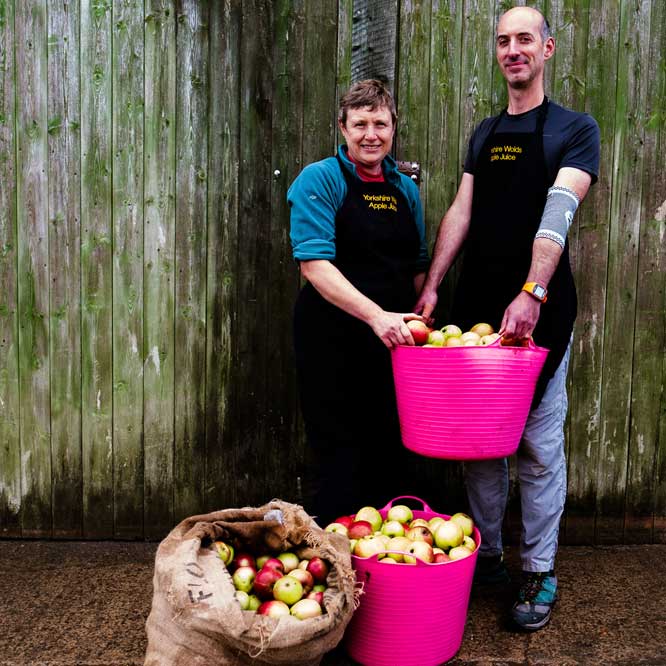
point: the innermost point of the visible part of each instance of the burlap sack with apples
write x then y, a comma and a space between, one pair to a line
196, 620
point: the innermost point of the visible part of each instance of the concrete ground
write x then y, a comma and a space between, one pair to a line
85, 604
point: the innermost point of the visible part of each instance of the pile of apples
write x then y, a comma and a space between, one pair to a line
401, 539
481, 334
278, 585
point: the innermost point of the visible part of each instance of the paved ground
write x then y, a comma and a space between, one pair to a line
85, 604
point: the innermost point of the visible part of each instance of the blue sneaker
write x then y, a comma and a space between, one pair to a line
490, 570
536, 599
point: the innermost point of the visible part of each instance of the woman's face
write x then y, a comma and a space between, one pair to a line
369, 135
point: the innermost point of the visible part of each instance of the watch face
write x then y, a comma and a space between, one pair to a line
539, 291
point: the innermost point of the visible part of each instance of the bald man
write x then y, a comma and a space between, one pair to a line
526, 172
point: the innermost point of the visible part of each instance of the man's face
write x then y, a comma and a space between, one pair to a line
369, 135
520, 49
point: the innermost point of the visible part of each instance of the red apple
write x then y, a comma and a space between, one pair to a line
419, 331
273, 608
344, 520
305, 609
441, 557
273, 563
319, 569
420, 533
317, 596
244, 560
264, 582
360, 529
305, 578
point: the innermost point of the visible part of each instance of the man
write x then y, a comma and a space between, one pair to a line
525, 173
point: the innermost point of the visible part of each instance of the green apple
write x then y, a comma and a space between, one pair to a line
401, 513
371, 515
393, 528
464, 521
288, 589
448, 535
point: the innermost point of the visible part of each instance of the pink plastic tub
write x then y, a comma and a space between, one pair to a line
410, 615
465, 403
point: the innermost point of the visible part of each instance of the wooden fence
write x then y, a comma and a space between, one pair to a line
146, 280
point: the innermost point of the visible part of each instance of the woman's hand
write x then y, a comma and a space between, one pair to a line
391, 327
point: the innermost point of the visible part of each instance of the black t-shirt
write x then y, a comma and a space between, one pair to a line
570, 139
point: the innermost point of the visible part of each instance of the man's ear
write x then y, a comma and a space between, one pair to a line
549, 48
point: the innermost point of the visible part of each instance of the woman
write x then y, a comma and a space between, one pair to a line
357, 232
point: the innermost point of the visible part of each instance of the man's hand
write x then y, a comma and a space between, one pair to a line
521, 317
391, 328
426, 304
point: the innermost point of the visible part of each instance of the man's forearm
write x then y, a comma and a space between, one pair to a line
545, 258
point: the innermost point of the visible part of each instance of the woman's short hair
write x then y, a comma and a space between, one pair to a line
372, 93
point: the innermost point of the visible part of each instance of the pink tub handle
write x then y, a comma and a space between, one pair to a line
418, 499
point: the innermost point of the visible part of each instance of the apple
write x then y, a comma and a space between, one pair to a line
369, 546
453, 342
352, 544
482, 329
419, 521
244, 560
470, 338
360, 529
464, 521
419, 331
253, 603
289, 560
317, 596
273, 563
468, 542
451, 331
288, 589
370, 514
306, 609
305, 578
441, 557
264, 582
344, 520
388, 560
243, 578
261, 560
273, 608
434, 522
303, 564
393, 528
400, 544
318, 568
420, 533
338, 528
401, 513
459, 552
224, 551
243, 598
420, 549
489, 339
448, 535
436, 339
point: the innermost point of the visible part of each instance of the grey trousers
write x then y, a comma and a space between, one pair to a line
542, 475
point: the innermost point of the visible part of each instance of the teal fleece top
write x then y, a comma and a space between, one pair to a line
318, 193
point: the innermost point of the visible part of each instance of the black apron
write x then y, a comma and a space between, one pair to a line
344, 369
510, 188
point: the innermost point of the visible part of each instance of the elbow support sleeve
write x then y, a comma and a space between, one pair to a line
558, 213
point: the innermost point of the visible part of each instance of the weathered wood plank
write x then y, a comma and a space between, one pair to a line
344, 49
128, 304
287, 114
33, 286
222, 254
647, 395
191, 199
320, 104
253, 328
654, 188
159, 283
64, 119
622, 274
10, 446
374, 40
591, 269
96, 269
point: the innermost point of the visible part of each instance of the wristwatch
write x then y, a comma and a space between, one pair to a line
537, 290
